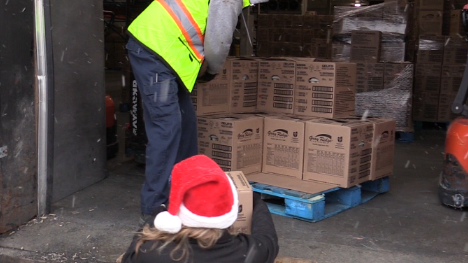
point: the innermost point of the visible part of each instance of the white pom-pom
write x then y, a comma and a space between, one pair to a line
166, 222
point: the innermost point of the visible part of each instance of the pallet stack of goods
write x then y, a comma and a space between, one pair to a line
440, 56
375, 38
308, 35
301, 134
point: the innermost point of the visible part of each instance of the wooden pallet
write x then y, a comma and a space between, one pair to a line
318, 206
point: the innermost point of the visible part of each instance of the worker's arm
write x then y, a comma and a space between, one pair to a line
222, 21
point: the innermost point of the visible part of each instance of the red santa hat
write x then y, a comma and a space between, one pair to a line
202, 196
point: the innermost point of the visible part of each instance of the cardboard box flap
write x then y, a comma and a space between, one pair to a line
238, 179
289, 117
345, 122
291, 183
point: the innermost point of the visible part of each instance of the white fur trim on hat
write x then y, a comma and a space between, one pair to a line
166, 222
221, 222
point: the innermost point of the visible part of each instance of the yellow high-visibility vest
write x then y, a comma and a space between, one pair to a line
174, 30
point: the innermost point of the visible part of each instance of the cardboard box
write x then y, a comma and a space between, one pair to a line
263, 34
430, 49
325, 89
366, 46
338, 151
383, 149
213, 97
243, 223
427, 78
263, 48
451, 78
430, 22
430, 4
234, 141
283, 145
340, 51
425, 106
286, 50
276, 82
319, 48
456, 23
445, 113
398, 74
455, 51
393, 51
369, 77
243, 85
264, 21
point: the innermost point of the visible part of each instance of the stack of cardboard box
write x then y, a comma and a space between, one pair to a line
303, 127
453, 67
390, 18
440, 58
294, 35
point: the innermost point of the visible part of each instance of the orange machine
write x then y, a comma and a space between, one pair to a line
453, 186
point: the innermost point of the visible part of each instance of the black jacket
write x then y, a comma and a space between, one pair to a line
259, 247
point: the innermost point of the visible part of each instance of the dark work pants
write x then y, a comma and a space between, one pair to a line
170, 123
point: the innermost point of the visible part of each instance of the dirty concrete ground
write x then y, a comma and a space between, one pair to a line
407, 224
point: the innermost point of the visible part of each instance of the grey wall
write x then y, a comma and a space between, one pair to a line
18, 181
79, 134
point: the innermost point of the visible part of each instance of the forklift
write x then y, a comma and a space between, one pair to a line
453, 183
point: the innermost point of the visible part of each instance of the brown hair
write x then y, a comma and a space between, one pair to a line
205, 237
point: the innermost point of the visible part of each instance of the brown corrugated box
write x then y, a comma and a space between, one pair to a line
445, 113
338, 151
430, 49
455, 51
456, 23
243, 223
430, 22
318, 48
383, 149
234, 141
213, 97
429, 4
283, 145
276, 82
425, 106
365, 46
427, 78
369, 77
243, 85
451, 78
325, 89
383, 146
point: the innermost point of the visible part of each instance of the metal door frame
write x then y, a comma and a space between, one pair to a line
45, 108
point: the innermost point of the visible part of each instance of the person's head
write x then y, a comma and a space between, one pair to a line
203, 202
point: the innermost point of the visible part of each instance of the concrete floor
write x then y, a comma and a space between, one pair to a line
407, 224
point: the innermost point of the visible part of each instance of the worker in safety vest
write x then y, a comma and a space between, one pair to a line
169, 42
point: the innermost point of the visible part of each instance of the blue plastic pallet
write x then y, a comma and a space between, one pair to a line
316, 207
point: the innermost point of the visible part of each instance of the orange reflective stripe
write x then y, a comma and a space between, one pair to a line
192, 21
182, 29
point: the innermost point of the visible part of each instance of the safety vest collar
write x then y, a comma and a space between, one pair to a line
187, 25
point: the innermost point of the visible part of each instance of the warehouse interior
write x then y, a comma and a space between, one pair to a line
401, 61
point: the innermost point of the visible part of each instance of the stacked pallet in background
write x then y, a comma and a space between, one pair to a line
390, 18
280, 35
374, 37
440, 57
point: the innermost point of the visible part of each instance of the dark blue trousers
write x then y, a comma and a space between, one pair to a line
170, 123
